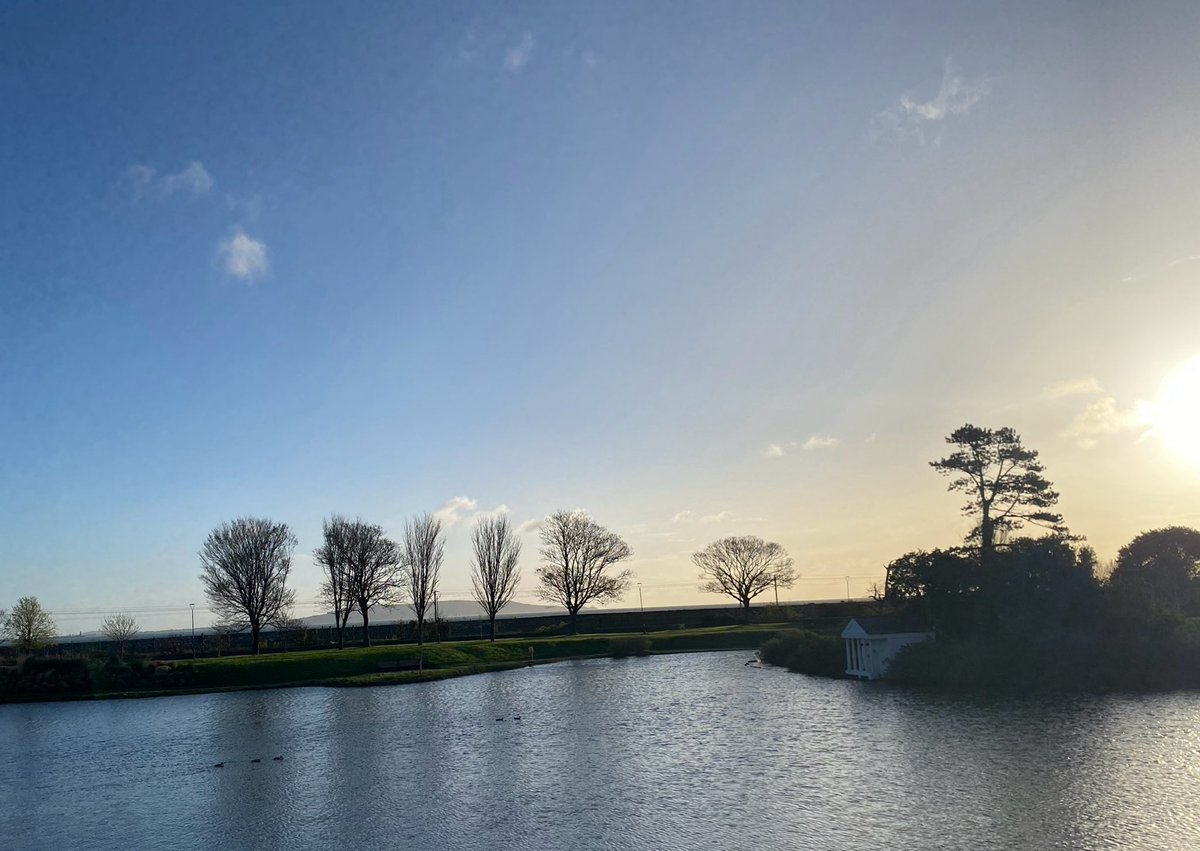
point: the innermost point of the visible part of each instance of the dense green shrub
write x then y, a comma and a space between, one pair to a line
805, 652
560, 628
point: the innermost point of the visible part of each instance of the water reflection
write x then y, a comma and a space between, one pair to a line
666, 752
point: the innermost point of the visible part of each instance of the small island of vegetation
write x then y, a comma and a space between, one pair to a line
1031, 614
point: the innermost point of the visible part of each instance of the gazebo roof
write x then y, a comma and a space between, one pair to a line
901, 624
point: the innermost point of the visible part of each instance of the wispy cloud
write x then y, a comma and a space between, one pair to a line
1072, 387
455, 509
688, 517
469, 48
1101, 415
517, 56
773, 450
923, 119
499, 511
243, 256
531, 525
146, 183
821, 441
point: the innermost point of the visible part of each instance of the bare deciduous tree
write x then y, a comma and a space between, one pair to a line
29, 627
335, 589
119, 628
743, 567
424, 549
577, 553
373, 563
362, 569
494, 573
244, 568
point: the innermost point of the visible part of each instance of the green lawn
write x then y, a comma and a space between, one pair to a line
368, 665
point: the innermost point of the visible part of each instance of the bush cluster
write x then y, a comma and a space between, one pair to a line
805, 652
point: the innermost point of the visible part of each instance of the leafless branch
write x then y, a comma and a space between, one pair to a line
244, 568
494, 572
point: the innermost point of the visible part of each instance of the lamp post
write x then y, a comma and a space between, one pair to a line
192, 606
642, 607
847, 589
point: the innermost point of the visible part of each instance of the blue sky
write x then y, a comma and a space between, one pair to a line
292, 259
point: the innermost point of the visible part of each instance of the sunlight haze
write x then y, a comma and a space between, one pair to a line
699, 269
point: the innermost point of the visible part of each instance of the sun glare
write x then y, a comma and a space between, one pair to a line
1176, 412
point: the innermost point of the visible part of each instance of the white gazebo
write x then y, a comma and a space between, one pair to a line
872, 642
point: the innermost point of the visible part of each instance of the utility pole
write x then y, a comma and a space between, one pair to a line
642, 606
193, 608
847, 589
775, 582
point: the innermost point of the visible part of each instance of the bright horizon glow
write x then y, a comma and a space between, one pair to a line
1176, 412
700, 271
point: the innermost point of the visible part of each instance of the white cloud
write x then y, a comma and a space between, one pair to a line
956, 95
685, 517
1072, 387
774, 450
243, 256
449, 513
532, 525
871, 438
821, 441
193, 179
1102, 417
518, 55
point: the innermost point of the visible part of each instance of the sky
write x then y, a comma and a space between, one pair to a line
699, 269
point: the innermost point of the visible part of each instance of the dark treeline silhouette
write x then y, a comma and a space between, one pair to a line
1036, 613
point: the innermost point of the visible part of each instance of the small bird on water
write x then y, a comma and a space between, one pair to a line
277, 758
256, 760
219, 765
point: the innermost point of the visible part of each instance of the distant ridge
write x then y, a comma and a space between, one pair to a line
447, 609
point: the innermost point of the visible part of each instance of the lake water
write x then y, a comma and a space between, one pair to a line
669, 752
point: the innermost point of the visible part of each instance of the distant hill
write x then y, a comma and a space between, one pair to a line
448, 609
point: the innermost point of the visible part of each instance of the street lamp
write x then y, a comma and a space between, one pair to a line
847, 589
192, 606
642, 606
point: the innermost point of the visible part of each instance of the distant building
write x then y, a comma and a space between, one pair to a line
872, 643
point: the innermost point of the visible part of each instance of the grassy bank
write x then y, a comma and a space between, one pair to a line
390, 664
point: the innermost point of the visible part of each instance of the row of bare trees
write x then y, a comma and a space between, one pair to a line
245, 566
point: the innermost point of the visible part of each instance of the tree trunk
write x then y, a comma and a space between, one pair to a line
574, 621
987, 538
366, 629
254, 633
420, 631
492, 624
746, 609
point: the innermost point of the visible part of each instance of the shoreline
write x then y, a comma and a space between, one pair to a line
356, 667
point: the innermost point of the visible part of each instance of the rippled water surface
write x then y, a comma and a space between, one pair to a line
670, 752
